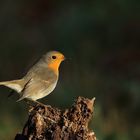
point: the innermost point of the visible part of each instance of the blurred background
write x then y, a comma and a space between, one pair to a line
101, 38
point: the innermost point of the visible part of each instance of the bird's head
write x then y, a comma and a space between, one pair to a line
54, 59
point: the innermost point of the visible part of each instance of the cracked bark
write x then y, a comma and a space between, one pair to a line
47, 123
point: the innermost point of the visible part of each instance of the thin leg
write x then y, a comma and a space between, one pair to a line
33, 101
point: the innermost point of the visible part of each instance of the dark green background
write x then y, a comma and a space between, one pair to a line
102, 38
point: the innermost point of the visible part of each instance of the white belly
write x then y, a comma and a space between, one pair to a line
43, 92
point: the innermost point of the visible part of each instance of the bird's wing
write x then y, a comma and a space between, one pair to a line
32, 87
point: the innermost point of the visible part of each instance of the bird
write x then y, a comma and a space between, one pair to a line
40, 80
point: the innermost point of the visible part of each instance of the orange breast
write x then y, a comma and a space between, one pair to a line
54, 66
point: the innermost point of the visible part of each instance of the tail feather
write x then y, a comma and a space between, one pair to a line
16, 85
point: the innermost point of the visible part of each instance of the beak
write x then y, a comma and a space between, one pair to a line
63, 58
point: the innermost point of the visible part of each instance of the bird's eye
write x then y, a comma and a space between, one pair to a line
53, 57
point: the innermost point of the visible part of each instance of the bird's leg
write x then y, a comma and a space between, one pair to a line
38, 103
29, 101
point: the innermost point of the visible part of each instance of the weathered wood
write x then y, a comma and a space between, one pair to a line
47, 123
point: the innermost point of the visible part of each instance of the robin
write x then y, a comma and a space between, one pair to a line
40, 80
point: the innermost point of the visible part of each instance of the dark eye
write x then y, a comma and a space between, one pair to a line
53, 57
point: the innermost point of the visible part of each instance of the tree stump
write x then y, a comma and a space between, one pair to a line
47, 123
